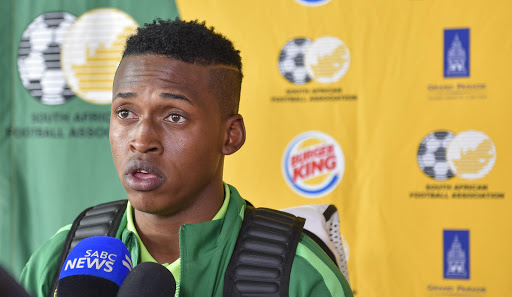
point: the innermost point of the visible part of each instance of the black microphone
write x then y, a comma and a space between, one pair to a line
9, 287
96, 266
148, 279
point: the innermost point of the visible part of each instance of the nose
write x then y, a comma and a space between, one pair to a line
146, 138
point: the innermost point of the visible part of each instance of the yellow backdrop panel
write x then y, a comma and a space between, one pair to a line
397, 112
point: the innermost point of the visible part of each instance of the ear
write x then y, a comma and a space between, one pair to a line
234, 136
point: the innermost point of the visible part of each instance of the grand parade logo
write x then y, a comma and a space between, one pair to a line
313, 164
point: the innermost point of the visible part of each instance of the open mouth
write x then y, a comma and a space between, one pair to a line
143, 175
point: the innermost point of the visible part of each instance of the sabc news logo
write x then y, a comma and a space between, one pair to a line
99, 260
313, 164
469, 154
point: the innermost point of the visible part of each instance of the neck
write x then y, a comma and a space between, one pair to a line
160, 234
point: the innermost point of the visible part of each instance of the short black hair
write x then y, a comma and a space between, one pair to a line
193, 42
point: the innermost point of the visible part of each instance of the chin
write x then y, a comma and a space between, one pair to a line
144, 203
150, 205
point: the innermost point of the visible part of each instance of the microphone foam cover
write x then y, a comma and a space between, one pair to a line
86, 286
96, 266
148, 279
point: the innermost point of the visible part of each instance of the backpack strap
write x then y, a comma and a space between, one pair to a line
263, 255
99, 220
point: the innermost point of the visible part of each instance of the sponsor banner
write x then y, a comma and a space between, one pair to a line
415, 95
60, 72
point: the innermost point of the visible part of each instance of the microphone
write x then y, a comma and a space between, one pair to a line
10, 287
96, 266
148, 279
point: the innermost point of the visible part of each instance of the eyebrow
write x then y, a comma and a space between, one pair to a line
124, 95
162, 95
175, 96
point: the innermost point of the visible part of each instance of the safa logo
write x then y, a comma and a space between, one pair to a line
313, 2
325, 60
61, 56
469, 154
92, 51
313, 164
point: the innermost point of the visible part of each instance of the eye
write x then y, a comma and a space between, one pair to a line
175, 118
125, 114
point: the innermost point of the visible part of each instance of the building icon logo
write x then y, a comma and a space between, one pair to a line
313, 164
456, 254
456, 53
469, 155
325, 60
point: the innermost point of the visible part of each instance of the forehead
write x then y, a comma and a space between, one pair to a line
161, 72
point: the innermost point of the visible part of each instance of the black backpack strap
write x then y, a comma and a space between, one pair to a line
99, 220
322, 245
263, 255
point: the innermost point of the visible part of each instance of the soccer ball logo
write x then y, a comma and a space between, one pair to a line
291, 61
432, 155
39, 58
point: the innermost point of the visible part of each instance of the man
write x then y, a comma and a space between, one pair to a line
174, 118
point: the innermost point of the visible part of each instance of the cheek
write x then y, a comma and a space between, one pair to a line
194, 150
117, 141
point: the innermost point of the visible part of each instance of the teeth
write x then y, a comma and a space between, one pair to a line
143, 171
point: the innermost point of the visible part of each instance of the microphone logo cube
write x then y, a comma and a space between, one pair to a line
99, 256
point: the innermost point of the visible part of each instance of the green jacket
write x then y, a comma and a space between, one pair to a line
205, 250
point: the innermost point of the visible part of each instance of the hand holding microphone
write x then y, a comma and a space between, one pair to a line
96, 266
9, 287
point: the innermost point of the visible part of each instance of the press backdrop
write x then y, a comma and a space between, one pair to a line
397, 112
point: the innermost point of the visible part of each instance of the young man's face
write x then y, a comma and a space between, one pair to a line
166, 133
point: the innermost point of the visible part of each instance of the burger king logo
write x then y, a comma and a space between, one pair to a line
313, 164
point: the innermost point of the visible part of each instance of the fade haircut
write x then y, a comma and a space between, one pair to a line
193, 42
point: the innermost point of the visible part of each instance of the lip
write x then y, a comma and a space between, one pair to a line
142, 175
